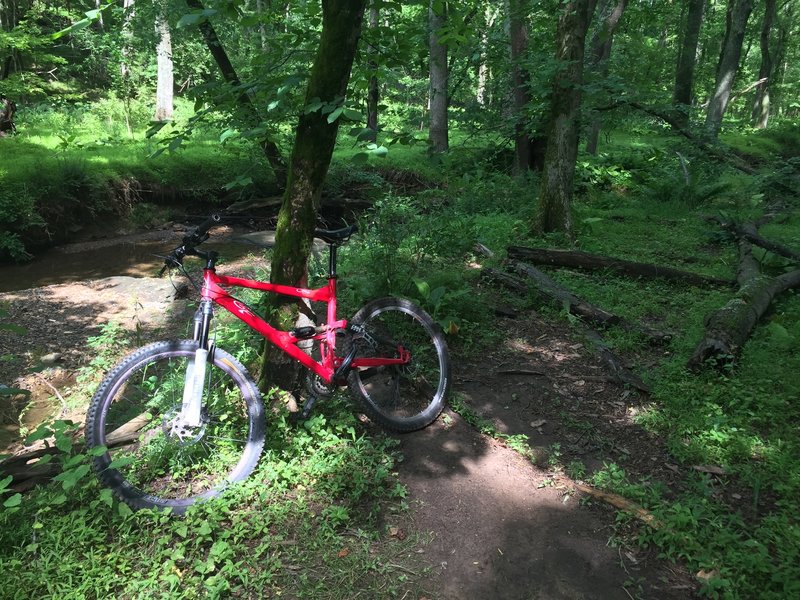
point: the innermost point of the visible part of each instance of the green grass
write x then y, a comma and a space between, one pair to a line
314, 518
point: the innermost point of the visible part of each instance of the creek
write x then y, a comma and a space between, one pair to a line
134, 255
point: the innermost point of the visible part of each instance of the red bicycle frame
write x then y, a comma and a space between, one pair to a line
328, 364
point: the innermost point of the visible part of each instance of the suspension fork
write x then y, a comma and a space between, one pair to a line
194, 380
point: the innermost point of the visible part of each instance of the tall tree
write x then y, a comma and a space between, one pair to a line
438, 131
609, 16
520, 80
739, 13
164, 79
761, 103
555, 196
217, 50
687, 58
313, 149
373, 88
481, 93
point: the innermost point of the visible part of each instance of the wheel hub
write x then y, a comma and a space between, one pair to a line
176, 429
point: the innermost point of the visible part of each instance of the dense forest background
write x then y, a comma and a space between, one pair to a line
658, 131
511, 75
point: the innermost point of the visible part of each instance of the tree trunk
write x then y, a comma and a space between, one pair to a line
602, 39
687, 58
313, 148
127, 34
728, 66
438, 133
518, 37
761, 103
215, 47
262, 31
165, 83
554, 212
373, 89
481, 93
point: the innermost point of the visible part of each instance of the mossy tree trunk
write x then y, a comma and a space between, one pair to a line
313, 148
555, 196
728, 328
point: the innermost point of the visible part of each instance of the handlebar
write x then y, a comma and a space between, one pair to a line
190, 242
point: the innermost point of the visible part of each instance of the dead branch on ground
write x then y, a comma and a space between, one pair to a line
584, 260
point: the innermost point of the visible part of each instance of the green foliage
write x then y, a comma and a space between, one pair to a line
317, 500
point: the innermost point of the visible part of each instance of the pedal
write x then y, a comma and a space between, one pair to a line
306, 412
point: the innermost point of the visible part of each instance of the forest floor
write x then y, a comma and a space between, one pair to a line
496, 524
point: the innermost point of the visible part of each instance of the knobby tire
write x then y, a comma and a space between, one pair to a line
401, 397
145, 464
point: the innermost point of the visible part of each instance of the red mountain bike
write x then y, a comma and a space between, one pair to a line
177, 421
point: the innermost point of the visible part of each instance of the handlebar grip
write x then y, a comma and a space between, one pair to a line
203, 228
200, 234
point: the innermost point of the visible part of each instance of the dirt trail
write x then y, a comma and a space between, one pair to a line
500, 527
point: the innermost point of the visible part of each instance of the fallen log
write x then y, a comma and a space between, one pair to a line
749, 232
728, 328
26, 466
561, 296
581, 308
584, 260
621, 373
505, 279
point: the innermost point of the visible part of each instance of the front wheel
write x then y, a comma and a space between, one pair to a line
402, 397
150, 462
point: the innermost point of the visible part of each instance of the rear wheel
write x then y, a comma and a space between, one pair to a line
150, 462
408, 396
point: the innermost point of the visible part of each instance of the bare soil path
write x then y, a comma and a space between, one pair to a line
499, 526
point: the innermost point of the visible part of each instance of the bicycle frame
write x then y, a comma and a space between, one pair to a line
328, 364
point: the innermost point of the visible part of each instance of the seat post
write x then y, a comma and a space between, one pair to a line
332, 262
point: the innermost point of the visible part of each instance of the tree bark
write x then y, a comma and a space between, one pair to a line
165, 80
313, 148
555, 197
728, 66
481, 92
438, 131
373, 88
518, 37
600, 45
761, 103
687, 58
584, 260
728, 328
215, 47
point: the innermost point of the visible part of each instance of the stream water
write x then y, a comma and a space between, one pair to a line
132, 255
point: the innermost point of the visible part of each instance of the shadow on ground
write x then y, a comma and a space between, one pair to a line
504, 528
